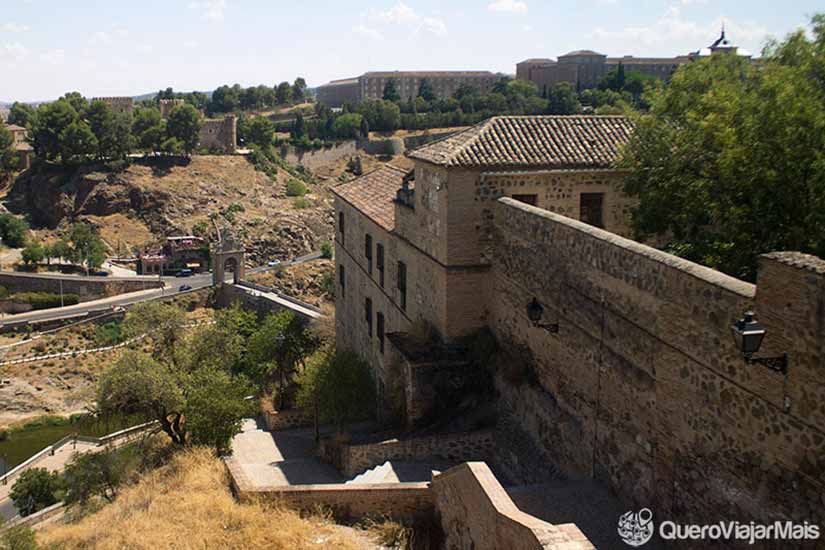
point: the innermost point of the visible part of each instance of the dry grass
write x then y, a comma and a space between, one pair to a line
187, 505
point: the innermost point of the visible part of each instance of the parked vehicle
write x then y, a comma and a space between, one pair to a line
185, 273
184, 288
273, 263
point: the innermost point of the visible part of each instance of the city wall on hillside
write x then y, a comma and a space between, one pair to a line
643, 387
87, 288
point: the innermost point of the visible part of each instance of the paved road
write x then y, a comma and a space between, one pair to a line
172, 288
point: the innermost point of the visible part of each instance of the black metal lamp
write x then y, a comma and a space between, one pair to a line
535, 311
748, 335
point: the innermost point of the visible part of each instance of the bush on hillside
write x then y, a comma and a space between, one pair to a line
295, 188
46, 300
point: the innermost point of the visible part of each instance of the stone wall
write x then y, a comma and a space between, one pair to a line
167, 105
119, 105
286, 420
87, 288
477, 514
405, 502
220, 135
643, 388
314, 158
354, 459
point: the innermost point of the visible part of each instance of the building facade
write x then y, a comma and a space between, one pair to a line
409, 245
585, 68
370, 86
24, 150
119, 105
220, 135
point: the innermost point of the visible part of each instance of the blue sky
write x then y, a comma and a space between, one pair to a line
48, 47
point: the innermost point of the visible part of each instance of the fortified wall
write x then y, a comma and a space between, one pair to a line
220, 135
119, 105
642, 387
87, 288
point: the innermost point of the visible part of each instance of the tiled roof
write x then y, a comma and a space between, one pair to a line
419, 74
532, 141
374, 194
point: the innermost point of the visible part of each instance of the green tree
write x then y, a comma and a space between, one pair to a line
51, 121
299, 127
77, 143
347, 126
283, 93
277, 349
299, 89
33, 254
87, 248
225, 99
260, 131
163, 322
148, 129
391, 91
35, 489
18, 537
93, 474
8, 156
14, 232
563, 100
425, 90
215, 405
22, 114
365, 128
77, 101
729, 162
338, 386
184, 125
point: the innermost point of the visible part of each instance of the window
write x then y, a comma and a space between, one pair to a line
368, 252
342, 279
341, 225
591, 207
379, 328
368, 315
532, 200
379, 261
402, 284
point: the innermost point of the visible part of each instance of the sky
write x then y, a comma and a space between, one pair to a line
113, 48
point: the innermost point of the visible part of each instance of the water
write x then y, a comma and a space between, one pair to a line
30, 439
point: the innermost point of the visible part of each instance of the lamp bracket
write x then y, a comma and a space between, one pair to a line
777, 364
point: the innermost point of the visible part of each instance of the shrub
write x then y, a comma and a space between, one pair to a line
46, 300
295, 188
109, 334
328, 284
301, 203
35, 489
4, 293
326, 249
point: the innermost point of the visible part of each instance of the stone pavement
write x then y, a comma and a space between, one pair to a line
280, 458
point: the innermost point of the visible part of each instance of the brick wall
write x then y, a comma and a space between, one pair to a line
354, 459
643, 387
476, 513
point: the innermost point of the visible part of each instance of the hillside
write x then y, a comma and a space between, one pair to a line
187, 505
155, 198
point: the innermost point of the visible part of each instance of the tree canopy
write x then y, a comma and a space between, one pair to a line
730, 161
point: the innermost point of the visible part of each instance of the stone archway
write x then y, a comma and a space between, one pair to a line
227, 257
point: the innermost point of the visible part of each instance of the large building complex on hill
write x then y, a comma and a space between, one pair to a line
371, 85
585, 68
614, 360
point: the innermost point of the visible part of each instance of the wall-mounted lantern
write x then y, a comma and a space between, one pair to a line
535, 311
748, 335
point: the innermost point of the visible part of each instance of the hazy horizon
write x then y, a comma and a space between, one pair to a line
48, 48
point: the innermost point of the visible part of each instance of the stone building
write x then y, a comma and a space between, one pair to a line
616, 361
167, 105
25, 152
221, 135
585, 68
370, 86
184, 252
119, 105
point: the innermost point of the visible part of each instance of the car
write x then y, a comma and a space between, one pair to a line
184, 288
101, 273
184, 273
273, 263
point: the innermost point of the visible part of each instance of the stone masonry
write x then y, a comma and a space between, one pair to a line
220, 135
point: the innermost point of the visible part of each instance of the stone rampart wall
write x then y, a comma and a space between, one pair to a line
286, 420
643, 387
476, 513
87, 288
313, 158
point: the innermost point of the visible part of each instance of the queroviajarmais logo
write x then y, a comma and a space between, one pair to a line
636, 528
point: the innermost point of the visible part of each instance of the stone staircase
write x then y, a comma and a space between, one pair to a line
400, 472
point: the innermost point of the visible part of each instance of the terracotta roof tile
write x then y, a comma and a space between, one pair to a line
374, 194
532, 141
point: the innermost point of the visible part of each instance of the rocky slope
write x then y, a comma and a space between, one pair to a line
155, 198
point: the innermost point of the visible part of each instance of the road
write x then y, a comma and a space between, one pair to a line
172, 286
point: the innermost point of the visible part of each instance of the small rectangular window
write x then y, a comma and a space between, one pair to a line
379, 261
591, 207
402, 284
368, 315
341, 225
342, 278
368, 252
379, 321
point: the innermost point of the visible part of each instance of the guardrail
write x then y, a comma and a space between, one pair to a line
99, 441
281, 295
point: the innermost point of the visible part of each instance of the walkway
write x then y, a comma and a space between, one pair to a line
280, 458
